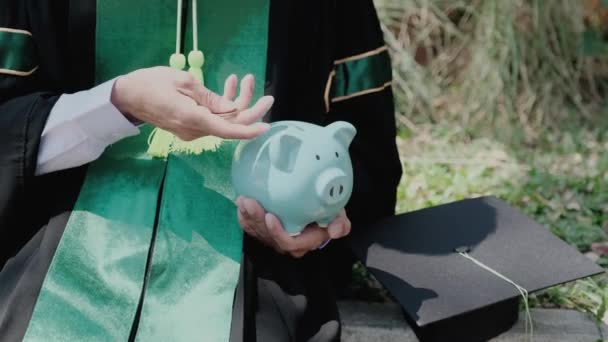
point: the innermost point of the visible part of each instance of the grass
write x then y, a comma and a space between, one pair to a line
505, 98
560, 182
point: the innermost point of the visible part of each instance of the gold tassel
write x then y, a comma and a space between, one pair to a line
198, 146
161, 142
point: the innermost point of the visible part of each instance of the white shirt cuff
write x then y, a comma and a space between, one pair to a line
80, 127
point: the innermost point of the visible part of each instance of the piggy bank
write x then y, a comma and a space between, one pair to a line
300, 172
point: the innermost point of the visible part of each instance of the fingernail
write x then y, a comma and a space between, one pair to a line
249, 207
239, 205
335, 231
270, 99
268, 222
264, 127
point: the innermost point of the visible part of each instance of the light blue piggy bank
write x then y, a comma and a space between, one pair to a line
298, 171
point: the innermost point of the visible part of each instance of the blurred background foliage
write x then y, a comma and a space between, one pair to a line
484, 64
506, 98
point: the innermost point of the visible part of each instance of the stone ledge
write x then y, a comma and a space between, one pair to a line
376, 322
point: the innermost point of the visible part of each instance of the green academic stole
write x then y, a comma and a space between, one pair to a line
167, 222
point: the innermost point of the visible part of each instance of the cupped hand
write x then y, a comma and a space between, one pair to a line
177, 102
267, 228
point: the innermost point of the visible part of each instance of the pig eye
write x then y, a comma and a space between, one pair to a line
318, 158
337, 155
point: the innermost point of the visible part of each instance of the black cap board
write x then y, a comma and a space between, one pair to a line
448, 297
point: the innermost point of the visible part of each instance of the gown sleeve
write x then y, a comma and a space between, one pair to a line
359, 91
27, 95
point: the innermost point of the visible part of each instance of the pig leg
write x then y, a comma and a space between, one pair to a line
325, 221
293, 229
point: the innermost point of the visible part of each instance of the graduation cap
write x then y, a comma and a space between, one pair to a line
432, 262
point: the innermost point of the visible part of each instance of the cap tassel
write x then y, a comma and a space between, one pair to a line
161, 142
522, 291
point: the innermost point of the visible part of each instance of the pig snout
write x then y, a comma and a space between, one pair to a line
332, 186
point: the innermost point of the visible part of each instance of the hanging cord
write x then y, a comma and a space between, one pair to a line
178, 31
194, 27
178, 60
522, 291
196, 59
160, 142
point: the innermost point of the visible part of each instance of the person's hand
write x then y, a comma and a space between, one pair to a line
175, 101
267, 228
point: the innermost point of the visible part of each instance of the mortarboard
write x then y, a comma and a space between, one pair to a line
446, 296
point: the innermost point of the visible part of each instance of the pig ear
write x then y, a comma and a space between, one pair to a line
343, 131
283, 151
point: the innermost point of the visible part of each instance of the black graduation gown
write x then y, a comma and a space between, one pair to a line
305, 39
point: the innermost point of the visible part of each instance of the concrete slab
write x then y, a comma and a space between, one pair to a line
377, 322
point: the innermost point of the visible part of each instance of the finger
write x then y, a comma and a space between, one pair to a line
277, 233
347, 230
336, 229
209, 99
254, 210
340, 226
253, 114
240, 205
347, 226
246, 92
245, 224
250, 210
298, 254
254, 213
210, 124
230, 87
311, 238
241, 208
200, 97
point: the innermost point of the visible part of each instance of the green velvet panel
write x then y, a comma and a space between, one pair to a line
94, 282
197, 253
133, 34
359, 75
17, 52
233, 35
